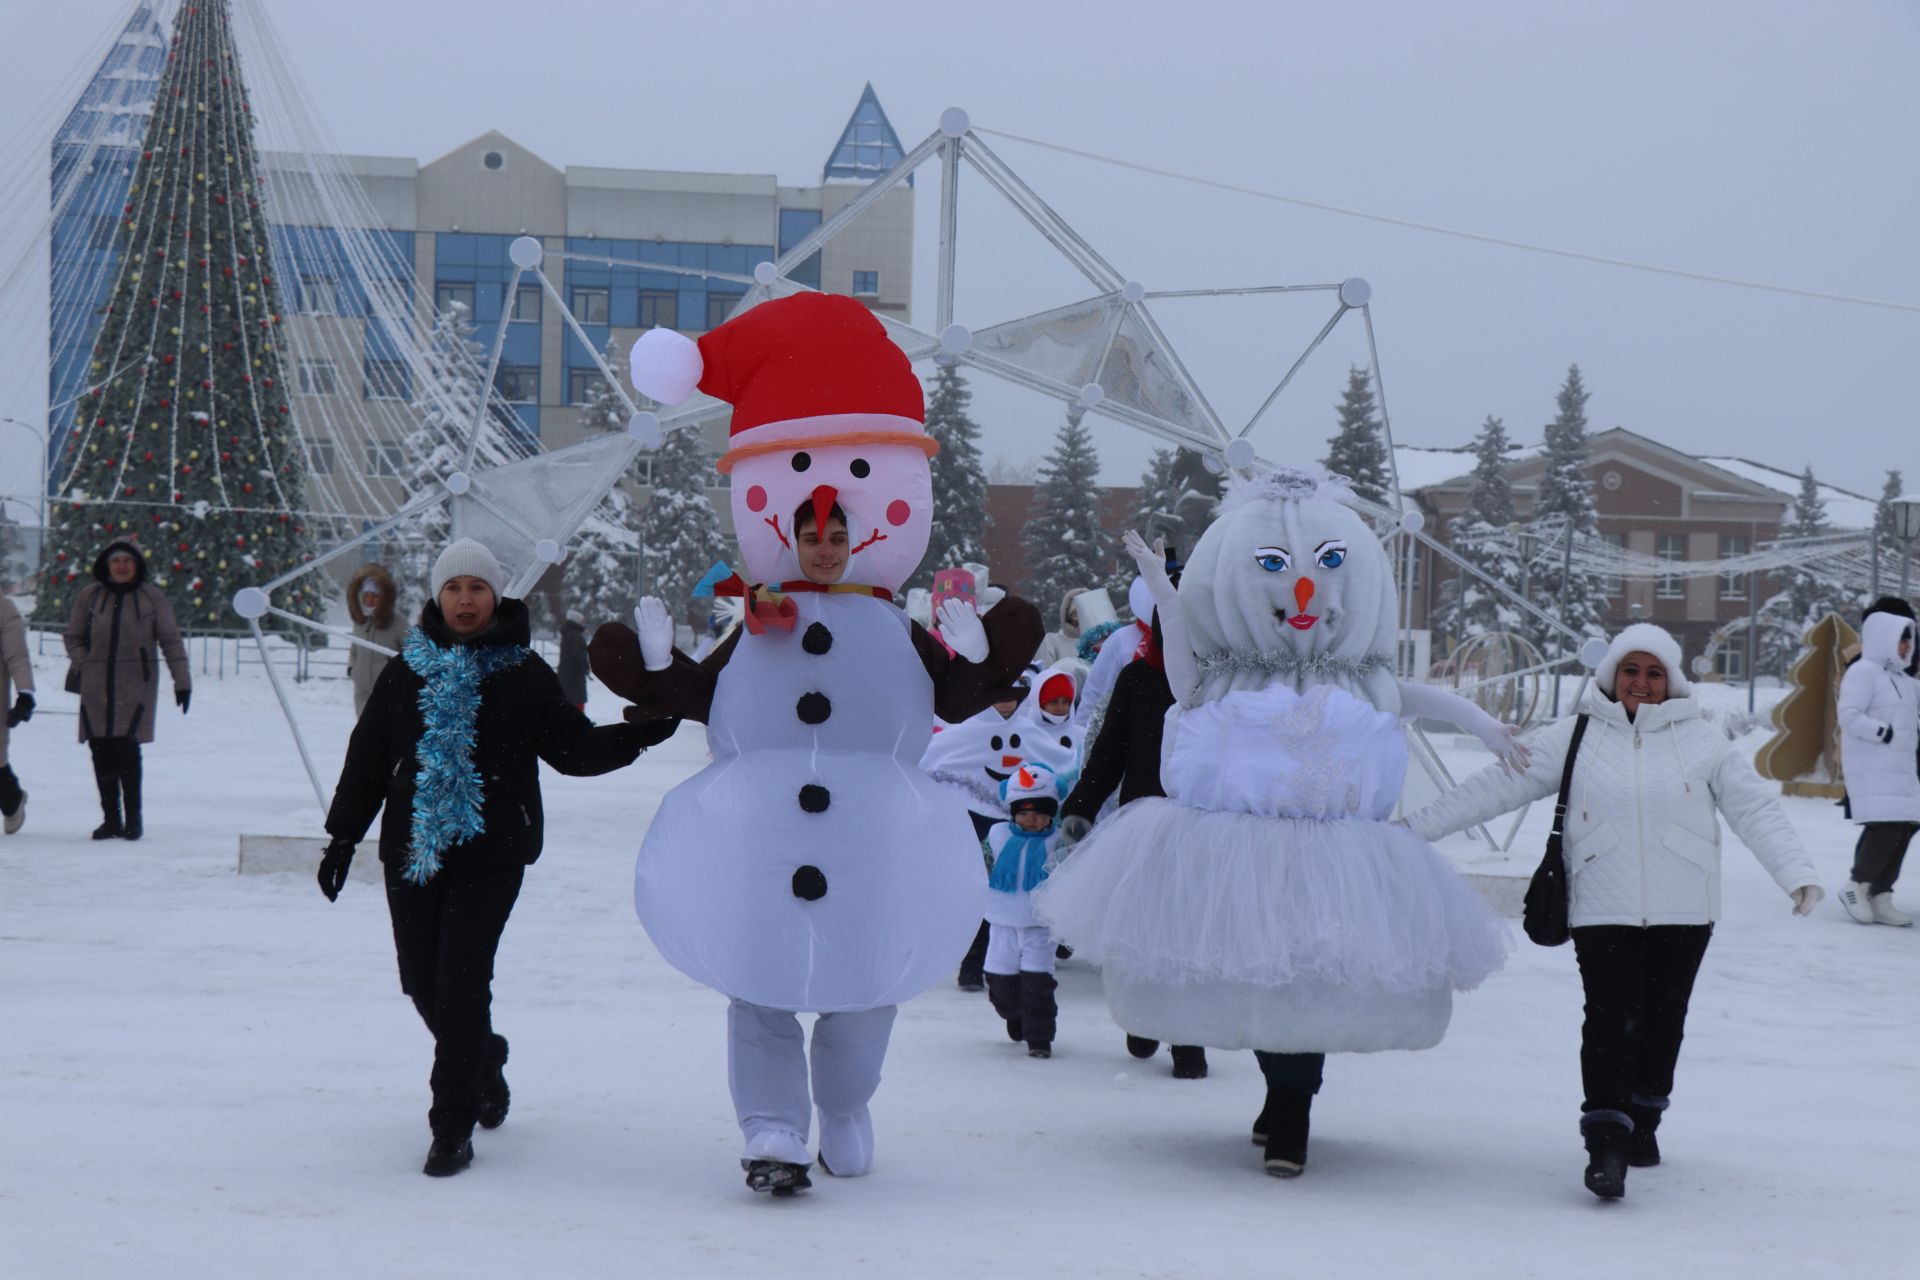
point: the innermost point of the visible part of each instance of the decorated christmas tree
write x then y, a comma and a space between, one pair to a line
185, 440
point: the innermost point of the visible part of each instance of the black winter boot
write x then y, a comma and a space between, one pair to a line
972, 974
1607, 1134
1643, 1149
107, 779
1284, 1123
495, 1097
1039, 1012
448, 1155
1141, 1047
130, 789
1003, 991
1189, 1062
780, 1177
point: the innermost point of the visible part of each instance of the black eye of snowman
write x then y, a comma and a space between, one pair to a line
1014, 742
860, 468
995, 743
801, 461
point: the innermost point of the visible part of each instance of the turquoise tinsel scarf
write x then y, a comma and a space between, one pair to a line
447, 794
1007, 874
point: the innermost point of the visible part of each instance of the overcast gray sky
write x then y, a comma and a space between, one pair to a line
1765, 139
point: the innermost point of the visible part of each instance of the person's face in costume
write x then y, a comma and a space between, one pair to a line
823, 554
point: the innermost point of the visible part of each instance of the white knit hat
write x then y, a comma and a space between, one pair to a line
468, 559
1645, 637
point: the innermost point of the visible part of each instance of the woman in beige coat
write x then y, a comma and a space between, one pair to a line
117, 621
370, 601
16, 674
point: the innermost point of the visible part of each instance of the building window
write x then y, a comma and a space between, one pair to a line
582, 385
386, 459
589, 305
719, 307
386, 380
659, 308
643, 468
493, 161
319, 296
866, 282
1730, 659
1733, 586
526, 304
1617, 541
519, 384
318, 378
446, 296
1671, 546
321, 456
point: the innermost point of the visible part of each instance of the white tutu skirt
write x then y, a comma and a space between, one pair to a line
1294, 935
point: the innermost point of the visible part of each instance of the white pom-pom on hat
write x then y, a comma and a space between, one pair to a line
666, 366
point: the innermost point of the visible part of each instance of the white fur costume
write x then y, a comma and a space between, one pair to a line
1267, 902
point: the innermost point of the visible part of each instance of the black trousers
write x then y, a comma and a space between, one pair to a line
1878, 853
1302, 1071
974, 962
9, 791
116, 770
445, 933
1638, 982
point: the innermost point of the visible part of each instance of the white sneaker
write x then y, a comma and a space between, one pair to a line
1858, 902
1885, 913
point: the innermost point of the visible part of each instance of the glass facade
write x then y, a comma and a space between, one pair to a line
633, 297
796, 225
473, 267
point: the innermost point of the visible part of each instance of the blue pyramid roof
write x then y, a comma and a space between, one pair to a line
114, 108
868, 146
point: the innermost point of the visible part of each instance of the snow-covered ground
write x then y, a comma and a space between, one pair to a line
207, 1074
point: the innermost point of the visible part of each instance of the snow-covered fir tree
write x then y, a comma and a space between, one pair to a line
602, 563
1885, 539
680, 537
1178, 499
1357, 450
1803, 596
959, 480
1067, 549
188, 444
1565, 498
1470, 606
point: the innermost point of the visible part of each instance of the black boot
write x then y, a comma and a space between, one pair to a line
1607, 1134
495, 1097
107, 778
1003, 990
780, 1177
1189, 1062
1284, 1121
972, 973
449, 1154
130, 789
1643, 1149
1141, 1047
1039, 1012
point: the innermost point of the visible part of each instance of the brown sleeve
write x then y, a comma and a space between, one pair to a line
167, 631
683, 691
961, 688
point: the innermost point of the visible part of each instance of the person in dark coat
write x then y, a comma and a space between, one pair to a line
459, 784
1125, 756
118, 620
573, 660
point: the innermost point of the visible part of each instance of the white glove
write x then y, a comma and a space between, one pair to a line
1805, 898
655, 628
961, 628
1151, 561
1504, 741
1074, 829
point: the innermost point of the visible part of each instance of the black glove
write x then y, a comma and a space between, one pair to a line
22, 710
181, 697
650, 732
333, 868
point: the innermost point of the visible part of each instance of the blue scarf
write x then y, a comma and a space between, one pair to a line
447, 794
1007, 874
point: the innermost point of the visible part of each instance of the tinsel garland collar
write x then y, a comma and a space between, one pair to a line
447, 794
1234, 661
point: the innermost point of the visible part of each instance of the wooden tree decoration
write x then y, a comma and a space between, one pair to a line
1803, 755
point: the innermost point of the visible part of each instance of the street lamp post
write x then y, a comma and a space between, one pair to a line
1906, 527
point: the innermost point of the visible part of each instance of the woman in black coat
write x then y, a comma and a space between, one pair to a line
449, 746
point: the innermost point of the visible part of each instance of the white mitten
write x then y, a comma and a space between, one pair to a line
962, 629
1806, 898
1504, 741
1151, 561
655, 628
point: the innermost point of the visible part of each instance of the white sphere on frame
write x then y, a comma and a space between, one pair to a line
549, 550
250, 603
1213, 463
1355, 292
1241, 453
525, 252
1413, 520
1092, 394
954, 121
955, 339
644, 427
1593, 652
1702, 665
1133, 291
458, 483
765, 272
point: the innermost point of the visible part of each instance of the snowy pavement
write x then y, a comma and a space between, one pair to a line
206, 1074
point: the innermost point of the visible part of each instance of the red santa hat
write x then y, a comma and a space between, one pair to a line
813, 368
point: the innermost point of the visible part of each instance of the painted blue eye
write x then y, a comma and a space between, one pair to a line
1331, 554
1272, 559
1332, 559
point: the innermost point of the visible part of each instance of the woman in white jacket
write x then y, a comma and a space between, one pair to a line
1879, 731
1642, 846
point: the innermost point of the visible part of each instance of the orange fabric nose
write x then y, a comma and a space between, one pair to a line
824, 496
1303, 592
1007, 762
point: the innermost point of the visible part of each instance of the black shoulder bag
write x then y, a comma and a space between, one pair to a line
1544, 912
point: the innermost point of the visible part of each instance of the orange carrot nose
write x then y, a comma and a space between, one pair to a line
1007, 762
1303, 592
824, 496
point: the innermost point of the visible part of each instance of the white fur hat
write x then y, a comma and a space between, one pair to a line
1645, 637
468, 559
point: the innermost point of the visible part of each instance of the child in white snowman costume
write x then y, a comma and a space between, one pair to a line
1020, 957
1267, 902
812, 867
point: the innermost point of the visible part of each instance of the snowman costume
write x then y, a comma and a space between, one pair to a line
1267, 902
812, 867
1053, 741
971, 759
1020, 950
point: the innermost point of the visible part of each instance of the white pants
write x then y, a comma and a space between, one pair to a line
767, 1072
1011, 949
